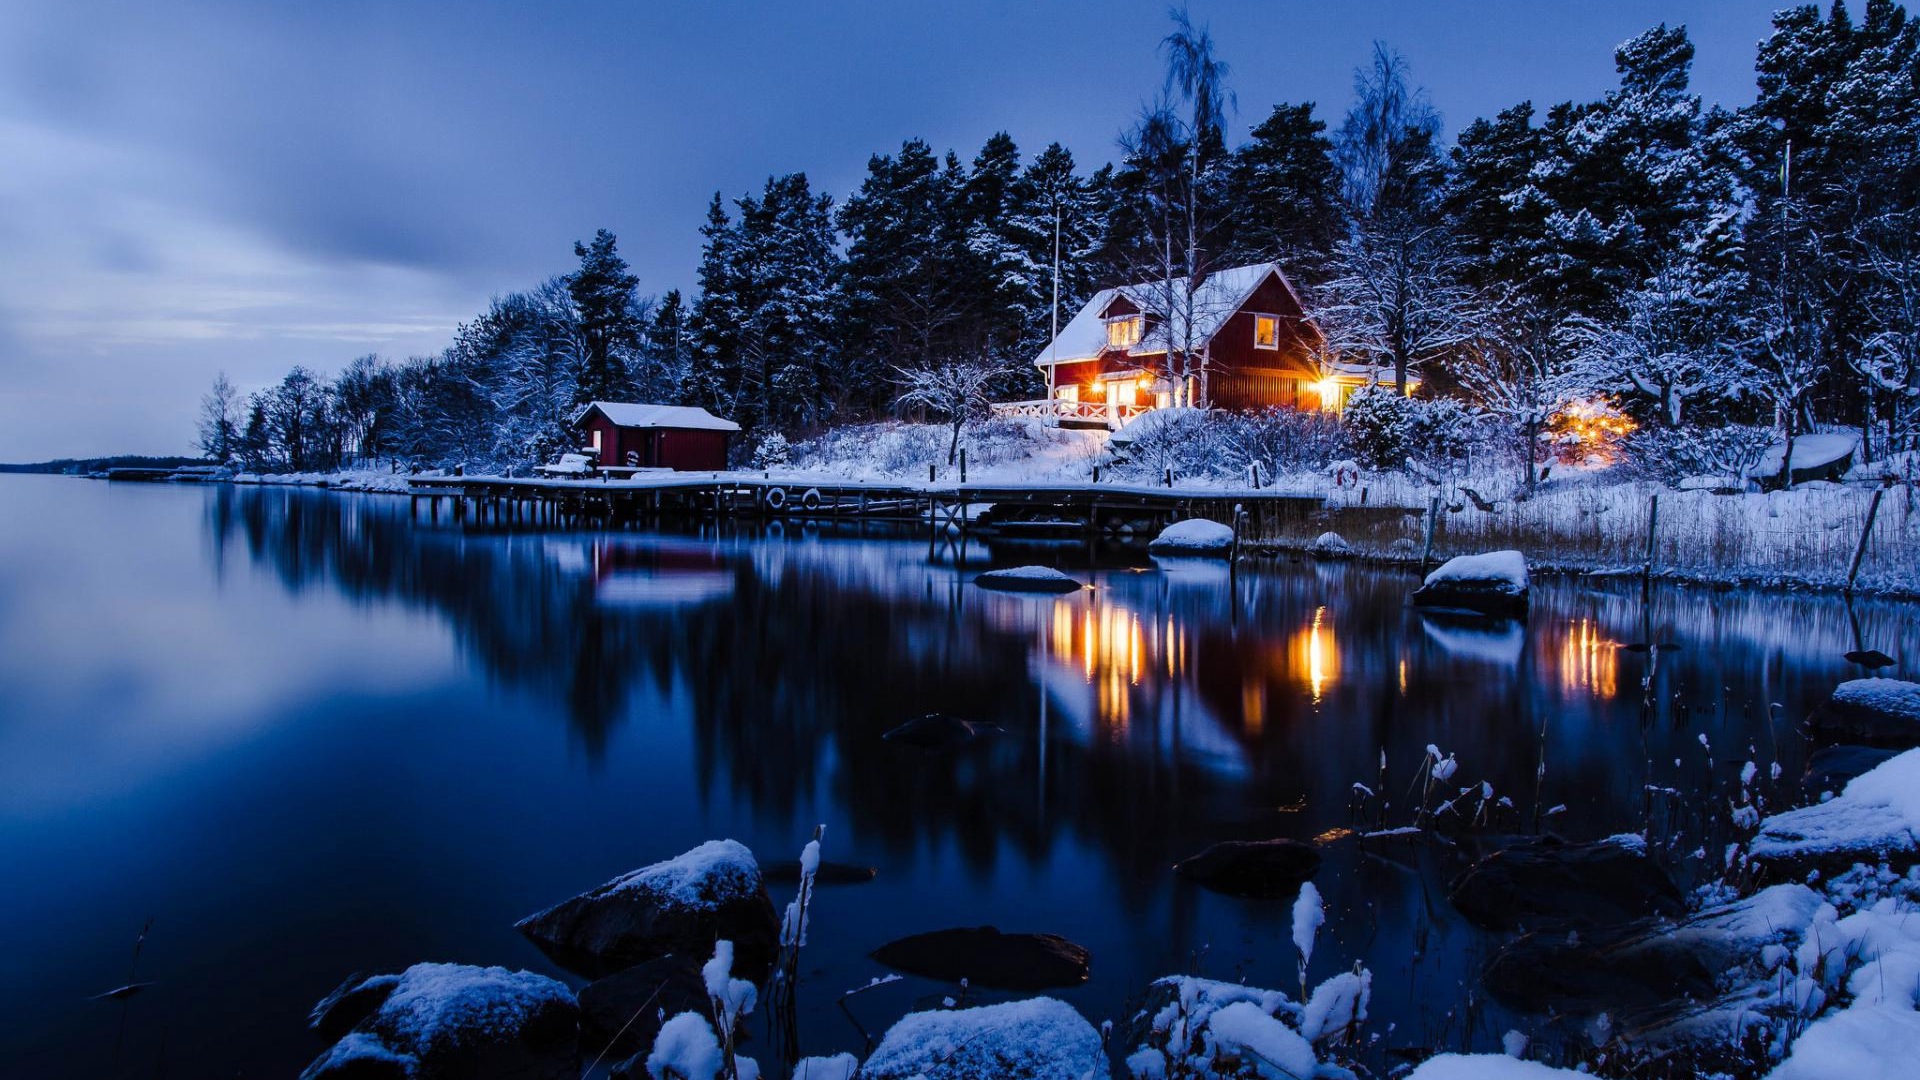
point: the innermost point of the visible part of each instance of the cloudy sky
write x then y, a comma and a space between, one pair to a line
195, 186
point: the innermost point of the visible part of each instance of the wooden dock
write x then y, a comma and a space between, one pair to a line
1041, 509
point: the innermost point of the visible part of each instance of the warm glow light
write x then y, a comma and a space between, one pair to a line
1329, 392
1316, 657
1589, 661
1589, 430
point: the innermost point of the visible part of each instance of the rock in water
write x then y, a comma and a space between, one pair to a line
1491, 584
351, 1002
455, 1022
1879, 712
635, 999
679, 906
1871, 659
1252, 867
1194, 536
936, 731
984, 956
1035, 1039
1043, 579
1548, 882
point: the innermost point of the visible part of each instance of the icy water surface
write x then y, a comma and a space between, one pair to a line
306, 737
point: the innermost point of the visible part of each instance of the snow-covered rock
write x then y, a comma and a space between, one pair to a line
837, 1067
623, 1012
1036, 1039
1870, 962
1028, 579
1818, 456
1331, 543
1494, 583
682, 905
1879, 712
1488, 1067
1876, 817
1194, 536
436, 1021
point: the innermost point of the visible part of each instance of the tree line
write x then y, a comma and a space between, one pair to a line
1693, 263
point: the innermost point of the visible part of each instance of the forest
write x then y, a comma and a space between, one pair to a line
1705, 274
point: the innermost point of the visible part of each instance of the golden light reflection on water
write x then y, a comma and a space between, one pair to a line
1111, 648
1589, 660
1315, 655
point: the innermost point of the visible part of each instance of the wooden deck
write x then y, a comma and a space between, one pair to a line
1041, 509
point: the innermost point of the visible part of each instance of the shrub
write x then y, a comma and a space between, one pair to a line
1671, 454
1380, 427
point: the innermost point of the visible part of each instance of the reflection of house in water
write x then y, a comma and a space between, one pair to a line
658, 574
1589, 660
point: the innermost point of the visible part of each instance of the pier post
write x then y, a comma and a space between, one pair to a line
1866, 531
1433, 519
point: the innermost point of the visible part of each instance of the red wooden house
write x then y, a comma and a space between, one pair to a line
1245, 336
625, 435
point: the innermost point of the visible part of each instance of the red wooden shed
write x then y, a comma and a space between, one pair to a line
630, 435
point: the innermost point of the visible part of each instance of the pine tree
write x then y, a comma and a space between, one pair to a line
1283, 193
665, 366
603, 294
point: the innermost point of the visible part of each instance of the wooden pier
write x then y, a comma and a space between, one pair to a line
1106, 510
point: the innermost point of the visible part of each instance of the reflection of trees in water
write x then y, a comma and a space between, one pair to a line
1176, 714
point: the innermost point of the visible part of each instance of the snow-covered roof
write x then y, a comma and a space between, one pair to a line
1215, 300
635, 415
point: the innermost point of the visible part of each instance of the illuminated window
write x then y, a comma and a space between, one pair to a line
1124, 332
1123, 393
1266, 331
1069, 392
596, 440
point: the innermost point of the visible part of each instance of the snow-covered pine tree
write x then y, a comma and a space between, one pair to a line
602, 290
1283, 194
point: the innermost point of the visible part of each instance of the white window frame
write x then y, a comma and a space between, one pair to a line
1257, 316
1138, 334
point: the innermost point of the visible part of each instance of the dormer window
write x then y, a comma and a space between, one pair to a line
1266, 331
1125, 331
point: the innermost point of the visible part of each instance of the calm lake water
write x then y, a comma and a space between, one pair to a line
306, 736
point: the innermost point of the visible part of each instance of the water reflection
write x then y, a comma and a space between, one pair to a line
620, 693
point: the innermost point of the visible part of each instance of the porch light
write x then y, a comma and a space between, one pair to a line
1329, 391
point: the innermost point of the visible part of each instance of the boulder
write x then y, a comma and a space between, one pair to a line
1194, 536
937, 731
984, 956
1876, 819
1878, 712
682, 905
1548, 882
1251, 867
1330, 543
1831, 768
448, 1021
351, 1002
1495, 583
1035, 1039
623, 1012
1041, 579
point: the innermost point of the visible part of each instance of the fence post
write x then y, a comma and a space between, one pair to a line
1860, 552
1096, 474
930, 471
1433, 519
1653, 520
1169, 476
963, 464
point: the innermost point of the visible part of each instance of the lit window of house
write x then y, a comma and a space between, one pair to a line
1266, 332
596, 440
1069, 392
1124, 332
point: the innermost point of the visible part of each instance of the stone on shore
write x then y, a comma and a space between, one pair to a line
1878, 712
1194, 536
1551, 883
453, 1022
1035, 1039
682, 905
1040, 579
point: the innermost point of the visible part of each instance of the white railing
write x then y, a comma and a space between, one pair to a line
1057, 409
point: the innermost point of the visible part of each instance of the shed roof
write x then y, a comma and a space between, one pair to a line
629, 414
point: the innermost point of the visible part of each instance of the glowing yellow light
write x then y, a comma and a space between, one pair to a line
1316, 657
1589, 662
1329, 392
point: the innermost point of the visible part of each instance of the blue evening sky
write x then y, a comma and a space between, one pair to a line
193, 186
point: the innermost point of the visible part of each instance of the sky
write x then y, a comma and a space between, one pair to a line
203, 186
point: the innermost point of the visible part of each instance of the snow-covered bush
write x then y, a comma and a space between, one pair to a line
1281, 440
1670, 454
771, 451
1379, 425
1199, 1029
